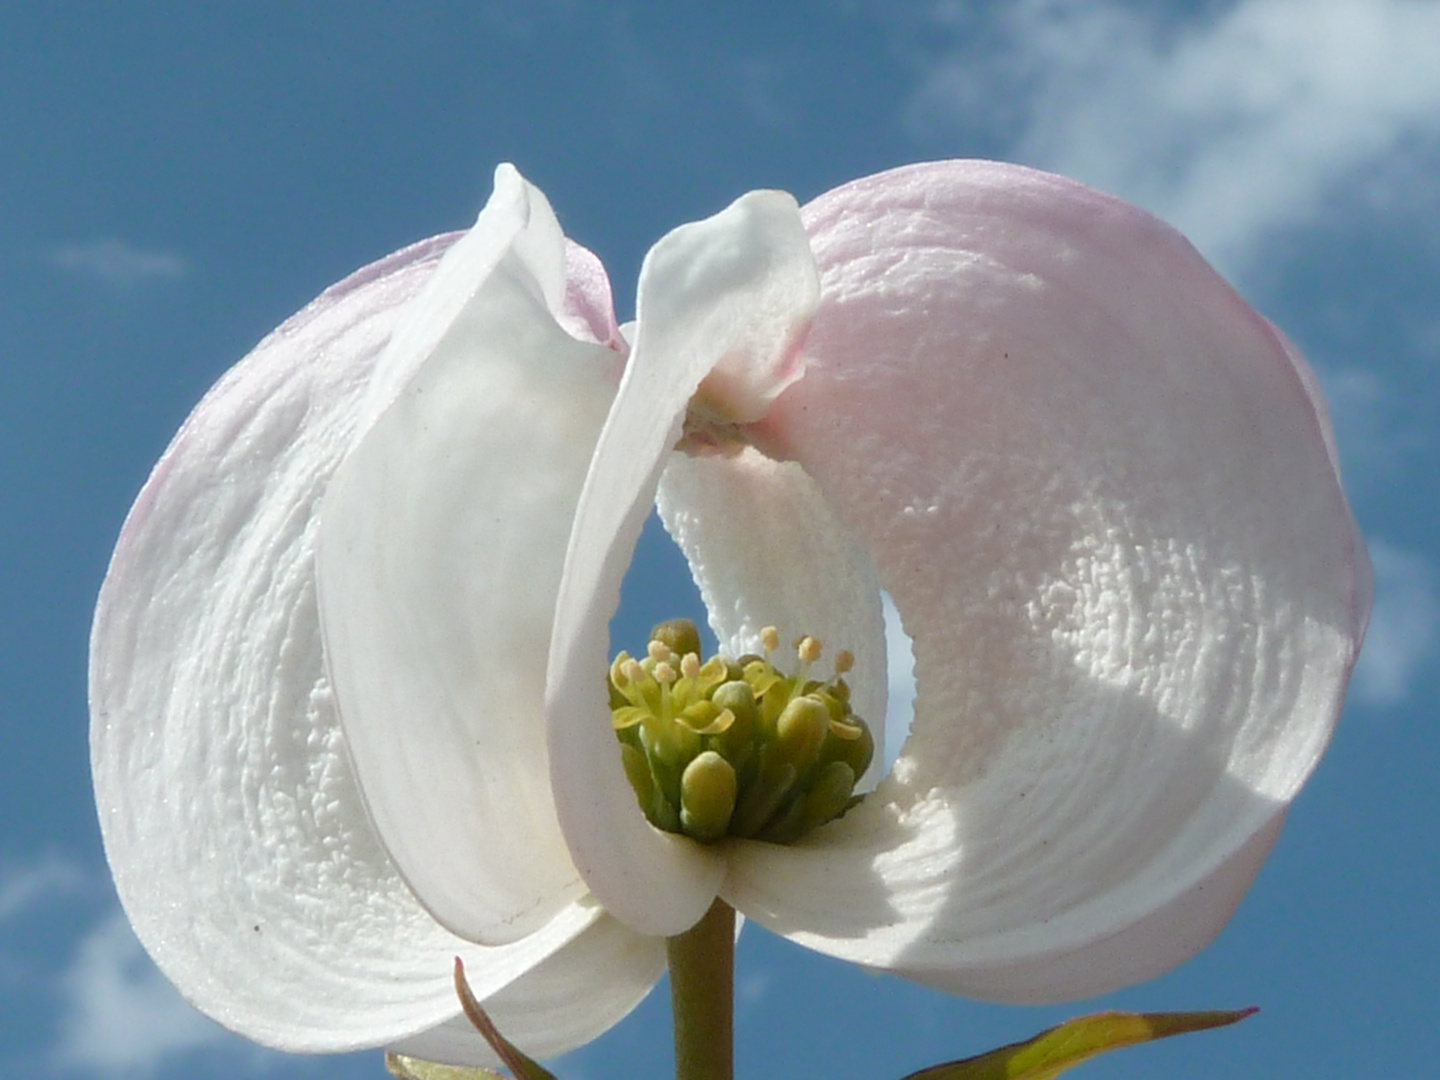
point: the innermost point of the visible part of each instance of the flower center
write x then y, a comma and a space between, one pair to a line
736, 747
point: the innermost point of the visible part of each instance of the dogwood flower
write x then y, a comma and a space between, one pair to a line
348, 664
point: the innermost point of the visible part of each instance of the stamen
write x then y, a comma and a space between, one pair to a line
723, 747
707, 796
800, 732
680, 636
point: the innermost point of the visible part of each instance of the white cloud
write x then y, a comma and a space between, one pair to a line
752, 988
1377, 428
118, 264
1404, 626
758, 83
117, 1016
524, 19
25, 887
1425, 338
1231, 127
120, 1016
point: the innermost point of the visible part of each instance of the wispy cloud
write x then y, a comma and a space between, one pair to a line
757, 82
524, 19
1380, 431
116, 1016
1404, 627
752, 988
119, 265
120, 1017
1232, 125
24, 887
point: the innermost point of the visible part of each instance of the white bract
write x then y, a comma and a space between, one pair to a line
348, 666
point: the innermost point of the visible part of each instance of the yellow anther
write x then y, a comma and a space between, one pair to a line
632, 670
770, 638
690, 665
844, 661
664, 673
659, 651
808, 649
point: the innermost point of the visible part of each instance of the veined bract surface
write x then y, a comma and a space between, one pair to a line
348, 665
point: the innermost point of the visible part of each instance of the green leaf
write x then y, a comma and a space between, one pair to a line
408, 1068
1052, 1052
524, 1068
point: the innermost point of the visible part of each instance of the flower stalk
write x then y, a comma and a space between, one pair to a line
702, 996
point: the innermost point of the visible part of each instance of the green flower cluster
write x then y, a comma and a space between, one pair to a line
736, 747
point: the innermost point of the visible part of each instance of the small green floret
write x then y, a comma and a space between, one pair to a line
736, 747
707, 796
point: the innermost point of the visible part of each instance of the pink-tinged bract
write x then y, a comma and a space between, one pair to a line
347, 670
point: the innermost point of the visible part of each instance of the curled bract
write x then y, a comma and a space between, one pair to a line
348, 665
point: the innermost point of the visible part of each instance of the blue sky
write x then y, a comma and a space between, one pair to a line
177, 179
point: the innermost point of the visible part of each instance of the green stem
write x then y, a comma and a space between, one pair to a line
702, 996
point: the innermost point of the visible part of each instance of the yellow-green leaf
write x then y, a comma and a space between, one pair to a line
1052, 1052
408, 1068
